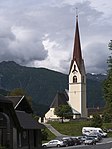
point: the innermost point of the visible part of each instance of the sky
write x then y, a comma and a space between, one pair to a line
40, 33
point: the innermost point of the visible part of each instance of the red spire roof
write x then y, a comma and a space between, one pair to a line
77, 55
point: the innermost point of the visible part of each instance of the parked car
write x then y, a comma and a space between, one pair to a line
89, 141
77, 141
69, 140
96, 136
82, 138
54, 143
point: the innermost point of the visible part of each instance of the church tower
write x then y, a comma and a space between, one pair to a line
77, 79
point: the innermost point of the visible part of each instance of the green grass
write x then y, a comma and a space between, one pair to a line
70, 128
108, 126
73, 128
50, 135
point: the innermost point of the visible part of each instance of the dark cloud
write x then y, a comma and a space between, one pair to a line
41, 33
95, 56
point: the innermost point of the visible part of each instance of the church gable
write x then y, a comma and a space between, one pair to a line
75, 75
59, 99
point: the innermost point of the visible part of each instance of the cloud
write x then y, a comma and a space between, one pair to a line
20, 45
96, 55
41, 33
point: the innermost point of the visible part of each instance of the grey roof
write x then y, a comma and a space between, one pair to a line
27, 122
75, 112
59, 99
20, 103
14, 99
4, 99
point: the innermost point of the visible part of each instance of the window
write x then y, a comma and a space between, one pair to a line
74, 79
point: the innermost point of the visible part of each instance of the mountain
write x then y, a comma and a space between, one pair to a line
95, 90
42, 84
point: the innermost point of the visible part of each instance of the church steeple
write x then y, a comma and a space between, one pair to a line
77, 78
77, 55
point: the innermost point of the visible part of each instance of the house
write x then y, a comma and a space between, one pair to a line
20, 103
18, 129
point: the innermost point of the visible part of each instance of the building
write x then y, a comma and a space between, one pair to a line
76, 96
77, 79
18, 129
61, 98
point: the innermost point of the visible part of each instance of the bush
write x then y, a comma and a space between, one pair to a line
96, 121
44, 135
107, 118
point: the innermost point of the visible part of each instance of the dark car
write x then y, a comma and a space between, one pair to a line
81, 138
69, 141
77, 141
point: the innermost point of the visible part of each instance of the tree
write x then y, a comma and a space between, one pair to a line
107, 87
96, 121
106, 117
44, 134
63, 111
20, 92
17, 92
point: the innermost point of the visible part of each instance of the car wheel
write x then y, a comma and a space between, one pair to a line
66, 145
58, 145
44, 146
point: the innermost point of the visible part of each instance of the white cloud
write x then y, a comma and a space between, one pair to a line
41, 33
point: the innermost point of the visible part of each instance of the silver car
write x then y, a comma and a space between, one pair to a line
89, 141
54, 143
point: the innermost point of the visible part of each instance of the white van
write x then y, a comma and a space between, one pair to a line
89, 130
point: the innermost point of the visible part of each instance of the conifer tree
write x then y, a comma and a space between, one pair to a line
108, 83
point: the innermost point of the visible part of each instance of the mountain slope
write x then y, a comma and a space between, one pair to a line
42, 84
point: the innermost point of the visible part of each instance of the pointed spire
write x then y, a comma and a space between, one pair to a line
77, 55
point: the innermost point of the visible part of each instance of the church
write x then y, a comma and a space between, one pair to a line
77, 84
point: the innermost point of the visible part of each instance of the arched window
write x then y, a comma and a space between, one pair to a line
74, 79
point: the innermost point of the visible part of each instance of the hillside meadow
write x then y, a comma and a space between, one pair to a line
74, 128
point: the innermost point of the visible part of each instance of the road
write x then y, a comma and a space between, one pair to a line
105, 144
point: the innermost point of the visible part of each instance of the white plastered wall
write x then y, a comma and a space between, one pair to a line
50, 115
77, 91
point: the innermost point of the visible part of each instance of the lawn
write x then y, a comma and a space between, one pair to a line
70, 128
74, 128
